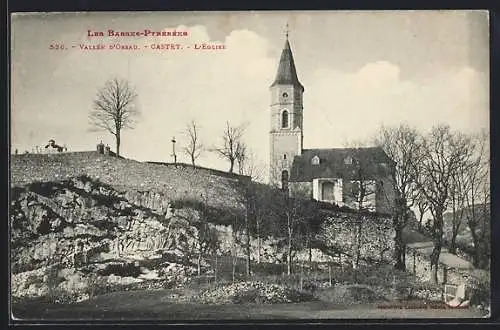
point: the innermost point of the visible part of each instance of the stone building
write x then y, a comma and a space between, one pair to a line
360, 178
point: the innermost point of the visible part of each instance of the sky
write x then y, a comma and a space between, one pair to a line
359, 69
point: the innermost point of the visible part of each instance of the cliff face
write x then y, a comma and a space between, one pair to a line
79, 222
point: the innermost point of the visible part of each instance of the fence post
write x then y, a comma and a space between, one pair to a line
215, 270
301, 275
330, 273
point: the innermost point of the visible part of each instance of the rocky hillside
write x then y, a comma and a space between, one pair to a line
82, 222
84, 212
172, 181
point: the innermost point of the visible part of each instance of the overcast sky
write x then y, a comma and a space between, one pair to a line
359, 70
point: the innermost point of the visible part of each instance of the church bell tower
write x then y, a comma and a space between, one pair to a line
286, 118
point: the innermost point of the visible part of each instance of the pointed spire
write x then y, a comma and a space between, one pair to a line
287, 74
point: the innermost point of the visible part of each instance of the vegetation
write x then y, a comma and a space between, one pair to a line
114, 109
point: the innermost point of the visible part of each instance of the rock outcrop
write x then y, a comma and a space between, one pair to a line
80, 223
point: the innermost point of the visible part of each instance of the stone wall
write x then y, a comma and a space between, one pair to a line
419, 264
340, 231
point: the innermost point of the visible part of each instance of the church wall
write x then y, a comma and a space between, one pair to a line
350, 198
303, 189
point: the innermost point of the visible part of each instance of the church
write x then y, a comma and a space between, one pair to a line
359, 178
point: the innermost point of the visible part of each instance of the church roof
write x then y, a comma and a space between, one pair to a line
287, 74
333, 163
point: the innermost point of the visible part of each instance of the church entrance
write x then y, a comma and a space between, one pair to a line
327, 191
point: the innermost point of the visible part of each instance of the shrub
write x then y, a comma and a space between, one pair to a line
123, 270
97, 286
480, 294
52, 279
245, 297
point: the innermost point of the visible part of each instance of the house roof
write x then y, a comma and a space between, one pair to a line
332, 163
287, 74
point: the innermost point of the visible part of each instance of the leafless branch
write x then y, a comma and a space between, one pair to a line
114, 109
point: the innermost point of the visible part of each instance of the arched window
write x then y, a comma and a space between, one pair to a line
284, 119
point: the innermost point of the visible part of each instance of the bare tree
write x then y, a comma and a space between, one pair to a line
401, 144
297, 211
244, 190
477, 197
359, 191
261, 204
241, 156
231, 141
252, 167
459, 187
114, 109
442, 153
194, 147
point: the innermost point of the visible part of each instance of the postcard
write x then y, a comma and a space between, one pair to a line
258, 165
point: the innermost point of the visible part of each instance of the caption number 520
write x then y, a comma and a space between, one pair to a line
57, 47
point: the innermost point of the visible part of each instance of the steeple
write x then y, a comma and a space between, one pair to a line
287, 74
286, 117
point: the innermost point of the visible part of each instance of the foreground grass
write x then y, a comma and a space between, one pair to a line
156, 305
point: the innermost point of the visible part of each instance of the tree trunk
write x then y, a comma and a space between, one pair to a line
247, 230
421, 218
404, 255
289, 252
434, 273
475, 241
330, 273
310, 253
358, 243
398, 245
215, 269
484, 259
199, 263
258, 242
454, 228
301, 276
473, 227
289, 259
233, 253
234, 269
438, 243
231, 167
118, 139
453, 242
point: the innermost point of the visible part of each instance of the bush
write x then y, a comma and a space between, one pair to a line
245, 297
252, 292
97, 286
480, 294
123, 270
52, 279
